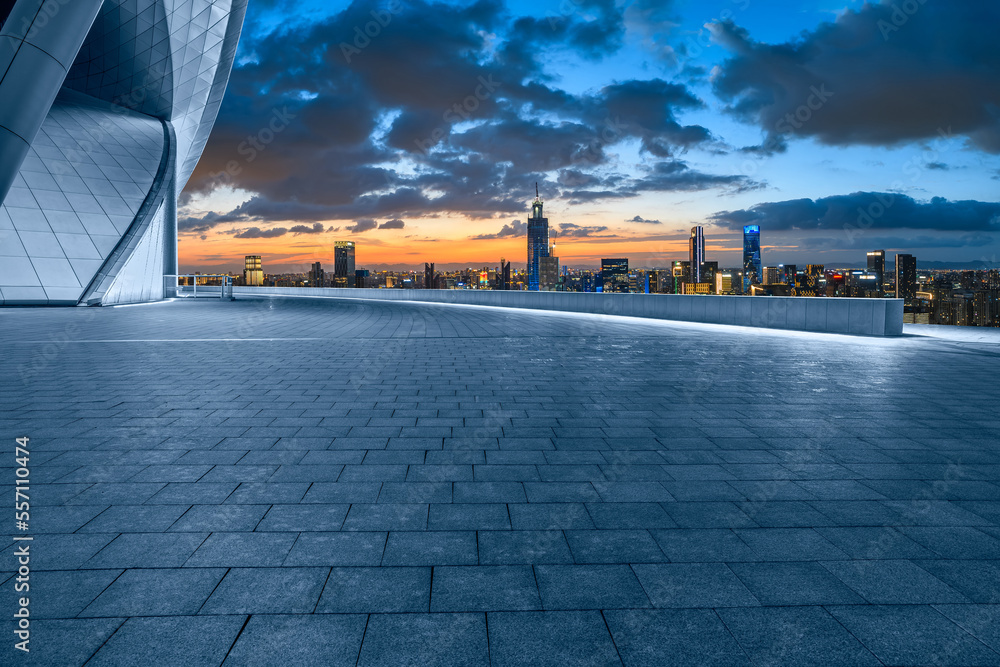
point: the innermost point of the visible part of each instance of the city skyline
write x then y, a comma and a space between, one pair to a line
357, 146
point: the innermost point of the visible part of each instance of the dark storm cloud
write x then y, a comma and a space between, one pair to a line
316, 117
866, 210
881, 75
515, 229
258, 233
570, 230
905, 243
392, 224
677, 176
315, 228
363, 225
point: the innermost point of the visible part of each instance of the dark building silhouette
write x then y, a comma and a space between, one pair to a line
876, 265
428, 275
906, 277
751, 257
614, 274
538, 241
696, 253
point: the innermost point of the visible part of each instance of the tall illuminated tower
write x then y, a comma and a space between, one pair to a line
696, 253
538, 241
751, 256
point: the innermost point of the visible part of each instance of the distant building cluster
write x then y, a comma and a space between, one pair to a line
970, 298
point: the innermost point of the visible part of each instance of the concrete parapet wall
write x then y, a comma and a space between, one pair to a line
862, 317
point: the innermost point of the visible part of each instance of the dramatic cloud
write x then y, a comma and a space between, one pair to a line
316, 228
514, 229
866, 210
570, 230
363, 225
392, 224
258, 233
881, 75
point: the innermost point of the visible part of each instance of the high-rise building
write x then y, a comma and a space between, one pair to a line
751, 256
548, 270
538, 241
772, 275
317, 276
696, 253
724, 283
906, 277
253, 272
503, 275
708, 271
614, 274
343, 263
681, 273
428, 275
876, 266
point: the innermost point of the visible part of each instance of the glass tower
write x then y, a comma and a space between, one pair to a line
906, 277
751, 256
538, 242
696, 251
343, 259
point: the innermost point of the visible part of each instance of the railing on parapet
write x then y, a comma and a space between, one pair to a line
199, 285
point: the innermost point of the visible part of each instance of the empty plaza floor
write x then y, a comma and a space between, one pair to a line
314, 481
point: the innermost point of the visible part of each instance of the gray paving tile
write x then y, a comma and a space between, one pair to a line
60, 642
77, 588
300, 639
613, 546
212, 518
689, 585
414, 640
702, 546
264, 590
550, 638
241, 550
301, 518
517, 547
589, 587
795, 636
376, 590
332, 549
913, 635
431, 548
982, 621
674, 637
170, 640
386, 516
469, 516
167, 592
893, 582
484, 588
147, 550
788, 584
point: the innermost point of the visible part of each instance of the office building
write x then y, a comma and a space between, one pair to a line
614, 275
548, 271
772, 275
503, 276
696, 253
343, 263
317, 276
429, 282
105, 108
906, 277
876, 266
708, 271
680, 273
751, 257
723, 283
253, 271
538, 242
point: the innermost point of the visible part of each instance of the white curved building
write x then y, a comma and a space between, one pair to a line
105, 109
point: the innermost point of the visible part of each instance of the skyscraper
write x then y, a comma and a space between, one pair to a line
253, 273
538, 241
343, 263
428, 275
906, 277
503, 276
614, 275
696, 253
876, 265
751, 256
317, 276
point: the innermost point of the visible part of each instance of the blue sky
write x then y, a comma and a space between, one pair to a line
639, 119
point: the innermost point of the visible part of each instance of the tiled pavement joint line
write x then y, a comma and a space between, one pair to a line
214, 588
321, 590
110, 635
610, 634
715, 612
236, 639
364, 634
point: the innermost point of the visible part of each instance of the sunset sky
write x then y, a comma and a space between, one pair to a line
422, 139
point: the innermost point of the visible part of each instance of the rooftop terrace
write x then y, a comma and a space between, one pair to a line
386, 483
